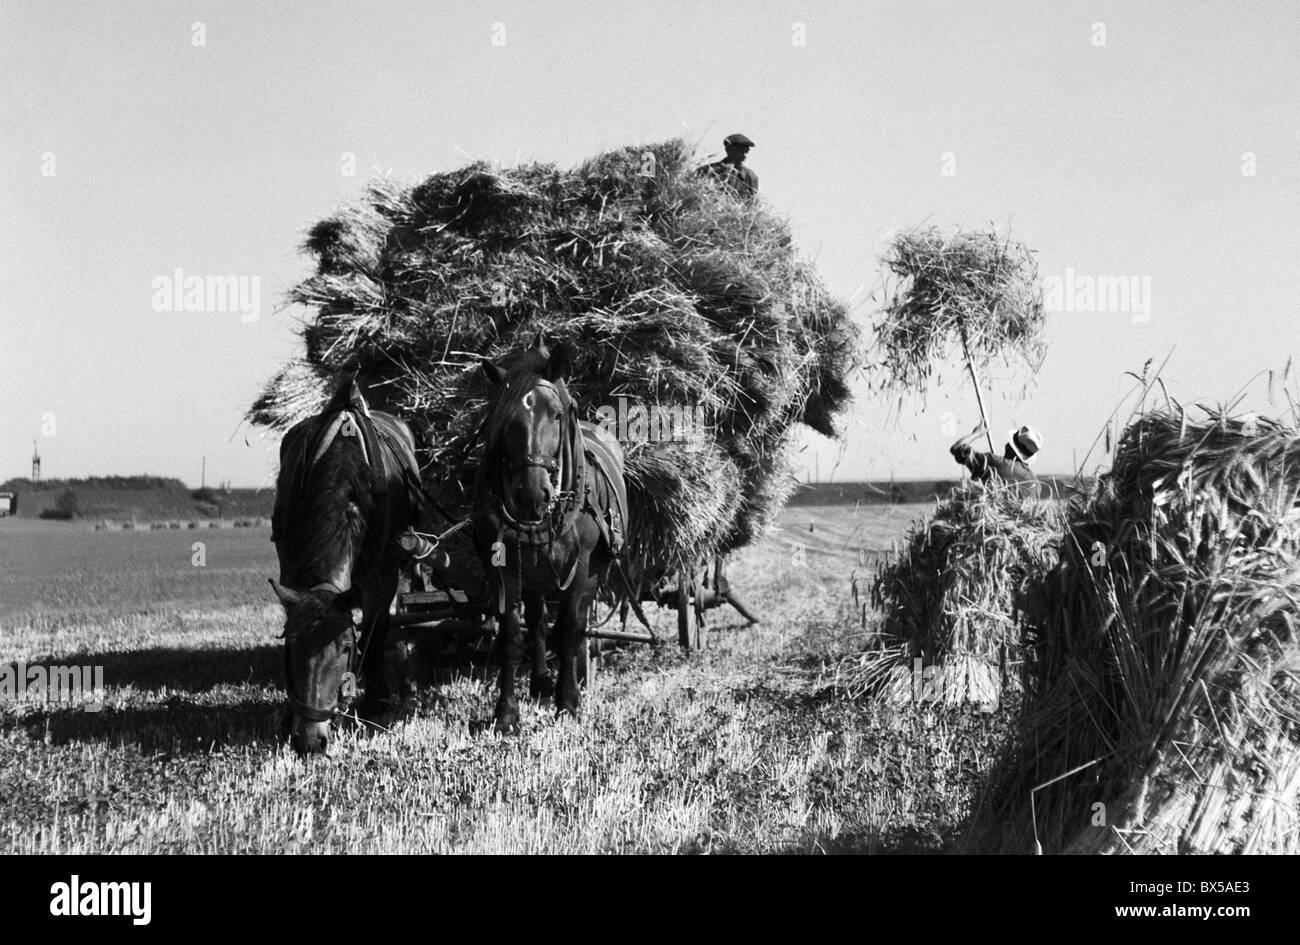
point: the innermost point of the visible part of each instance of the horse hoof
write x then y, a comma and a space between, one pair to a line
566, 710
507, 718
541, 688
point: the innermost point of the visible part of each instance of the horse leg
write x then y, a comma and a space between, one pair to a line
571, 629
375, 598
509, 647
540, 683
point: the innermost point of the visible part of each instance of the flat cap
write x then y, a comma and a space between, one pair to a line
738, 141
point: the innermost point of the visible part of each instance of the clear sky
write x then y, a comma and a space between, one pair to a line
1122, 159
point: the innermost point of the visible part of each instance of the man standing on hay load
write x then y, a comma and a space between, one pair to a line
731, 170
1012, 467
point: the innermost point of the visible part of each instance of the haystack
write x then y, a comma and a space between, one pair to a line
669, 290
955, 599
1165, 716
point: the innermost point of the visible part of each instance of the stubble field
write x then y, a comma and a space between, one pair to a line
749, 745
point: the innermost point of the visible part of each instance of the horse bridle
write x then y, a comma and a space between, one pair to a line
347, 682
545, 531
550, 463
554, 465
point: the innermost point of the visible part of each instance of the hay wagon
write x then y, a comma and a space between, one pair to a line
442, 604
442, 607
674, 296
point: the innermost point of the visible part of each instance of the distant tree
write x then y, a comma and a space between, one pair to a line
134, 483
67, 506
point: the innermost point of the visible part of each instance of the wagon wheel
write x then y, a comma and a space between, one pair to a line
590, 658
598, 616
683, 611
699, 619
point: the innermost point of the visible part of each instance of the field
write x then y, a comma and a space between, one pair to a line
167, 503
747, 746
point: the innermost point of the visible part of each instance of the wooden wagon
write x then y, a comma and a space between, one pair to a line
442, 601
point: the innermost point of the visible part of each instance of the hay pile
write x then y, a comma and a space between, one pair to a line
955, 598
979, 289
668, 290
1167, 702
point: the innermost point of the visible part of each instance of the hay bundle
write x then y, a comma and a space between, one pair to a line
977, 288
1167, 708
955, 599
669, 291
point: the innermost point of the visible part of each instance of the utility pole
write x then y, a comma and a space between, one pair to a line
203, 476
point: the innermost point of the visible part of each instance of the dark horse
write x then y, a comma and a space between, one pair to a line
549, 520
341, 498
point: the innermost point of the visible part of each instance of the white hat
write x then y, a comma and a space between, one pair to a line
1025, 442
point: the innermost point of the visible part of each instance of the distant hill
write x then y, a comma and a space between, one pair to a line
898, 492
153, 498
139, 498
92, 482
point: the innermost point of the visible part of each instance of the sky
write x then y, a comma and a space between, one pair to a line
1153, 141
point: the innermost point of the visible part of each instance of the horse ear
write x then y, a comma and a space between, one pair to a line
492, 372
539, 342
560, 364
288, 596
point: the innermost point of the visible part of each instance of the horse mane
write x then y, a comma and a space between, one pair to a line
332, 501
346, 395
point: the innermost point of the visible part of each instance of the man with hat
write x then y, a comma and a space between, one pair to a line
1011, 467
731, 170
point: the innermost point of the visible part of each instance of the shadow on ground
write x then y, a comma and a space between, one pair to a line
180, 670
165, 699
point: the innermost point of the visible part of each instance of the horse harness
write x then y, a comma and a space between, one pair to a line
573, 497
353, 421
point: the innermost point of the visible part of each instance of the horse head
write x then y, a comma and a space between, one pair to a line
528, 430
327, 510
319, 648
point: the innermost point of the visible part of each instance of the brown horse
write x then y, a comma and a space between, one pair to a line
549, 520
341, 499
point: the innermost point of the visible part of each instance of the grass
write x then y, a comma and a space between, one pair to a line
746, 746
55, 572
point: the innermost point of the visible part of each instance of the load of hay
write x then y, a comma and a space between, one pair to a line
1165, 712
973, 287
954, 600
976, 290
670, 292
